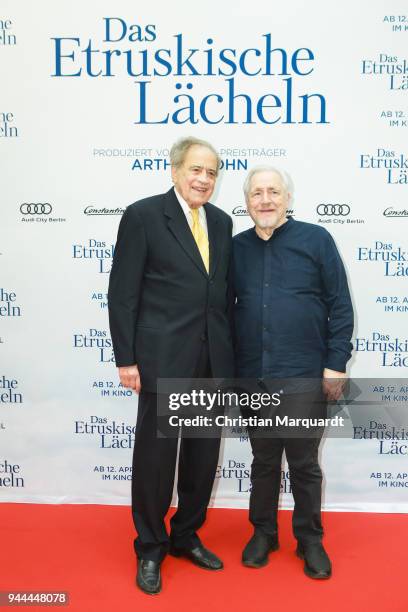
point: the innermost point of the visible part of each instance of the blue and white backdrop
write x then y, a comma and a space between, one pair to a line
92, 97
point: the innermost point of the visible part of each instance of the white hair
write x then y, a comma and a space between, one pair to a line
284, 177
181, 147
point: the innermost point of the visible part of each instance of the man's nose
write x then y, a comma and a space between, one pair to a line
203, 177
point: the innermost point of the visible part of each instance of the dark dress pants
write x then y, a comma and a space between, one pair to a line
154, 465
304, 469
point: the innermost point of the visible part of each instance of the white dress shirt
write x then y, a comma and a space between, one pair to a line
187, 211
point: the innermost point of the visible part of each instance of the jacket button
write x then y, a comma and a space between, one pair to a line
203, 337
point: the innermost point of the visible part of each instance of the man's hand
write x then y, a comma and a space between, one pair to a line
130, 377
333, 384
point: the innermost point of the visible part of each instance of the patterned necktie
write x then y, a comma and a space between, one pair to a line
201, 238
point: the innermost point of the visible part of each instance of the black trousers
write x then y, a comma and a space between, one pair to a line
304, 469
154, 465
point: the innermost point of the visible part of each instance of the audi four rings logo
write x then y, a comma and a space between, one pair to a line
35, 208
333, 210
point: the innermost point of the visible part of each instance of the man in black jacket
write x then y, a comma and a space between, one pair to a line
168, 319
293, 320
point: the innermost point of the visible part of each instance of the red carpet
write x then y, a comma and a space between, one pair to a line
87, 551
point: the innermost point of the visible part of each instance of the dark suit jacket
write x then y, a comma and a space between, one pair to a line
162, 302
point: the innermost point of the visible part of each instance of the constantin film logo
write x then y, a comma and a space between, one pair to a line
39, 212
241, 211
335, 212
391, 213
97, 212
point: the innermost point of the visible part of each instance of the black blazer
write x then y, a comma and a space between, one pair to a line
162, 303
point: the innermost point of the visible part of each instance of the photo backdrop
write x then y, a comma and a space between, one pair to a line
93, 96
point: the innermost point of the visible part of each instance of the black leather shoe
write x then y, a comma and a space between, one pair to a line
255, 553
148, 577
199, 556
317, 563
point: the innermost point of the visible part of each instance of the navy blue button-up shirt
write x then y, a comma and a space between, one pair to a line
293, 313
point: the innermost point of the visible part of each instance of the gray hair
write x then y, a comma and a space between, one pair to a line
180, 148
284, 177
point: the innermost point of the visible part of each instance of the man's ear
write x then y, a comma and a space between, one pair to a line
173, 174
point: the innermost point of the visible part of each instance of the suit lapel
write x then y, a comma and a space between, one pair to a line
179, 227
214, 237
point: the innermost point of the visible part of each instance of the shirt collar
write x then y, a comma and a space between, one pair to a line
279, 230
186, 208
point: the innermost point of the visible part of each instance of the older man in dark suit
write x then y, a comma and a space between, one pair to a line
168, 319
